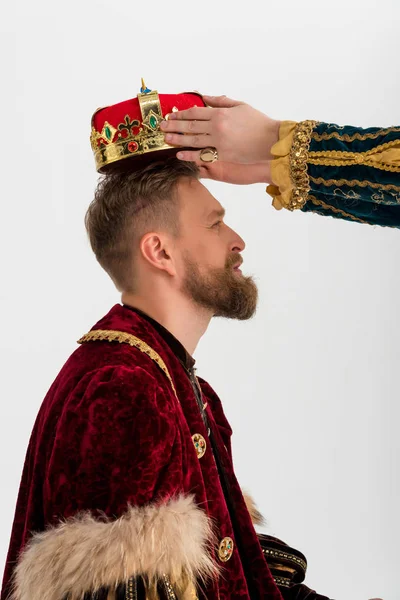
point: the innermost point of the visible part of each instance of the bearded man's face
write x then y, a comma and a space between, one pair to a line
211, 256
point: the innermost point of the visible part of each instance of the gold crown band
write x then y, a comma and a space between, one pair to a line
149, 138
105, 155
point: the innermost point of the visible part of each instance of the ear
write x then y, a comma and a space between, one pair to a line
156, 250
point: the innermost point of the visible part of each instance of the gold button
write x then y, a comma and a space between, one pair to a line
225, 549
199, 444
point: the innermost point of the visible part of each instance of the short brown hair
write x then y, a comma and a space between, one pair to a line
125, 205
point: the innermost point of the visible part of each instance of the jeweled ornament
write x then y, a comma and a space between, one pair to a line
200, 444
153, 122
133, 146
225, 549
132, 128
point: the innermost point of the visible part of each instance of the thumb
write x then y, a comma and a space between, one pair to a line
221, 101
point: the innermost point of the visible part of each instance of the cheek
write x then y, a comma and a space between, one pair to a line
211, 253
205, 248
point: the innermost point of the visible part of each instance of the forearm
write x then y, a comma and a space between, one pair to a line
345, 172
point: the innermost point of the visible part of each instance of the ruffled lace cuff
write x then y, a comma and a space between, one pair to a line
289, 167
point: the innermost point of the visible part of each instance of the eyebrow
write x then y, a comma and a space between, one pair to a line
220, 213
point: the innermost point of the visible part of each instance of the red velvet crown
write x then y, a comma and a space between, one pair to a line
132, 128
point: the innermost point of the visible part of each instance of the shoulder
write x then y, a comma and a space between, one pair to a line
112, 367
114, 407
120, 385
112, 396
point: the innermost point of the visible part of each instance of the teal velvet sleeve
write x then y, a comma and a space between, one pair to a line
354, 174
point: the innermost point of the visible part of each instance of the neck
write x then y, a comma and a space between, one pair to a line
186, 321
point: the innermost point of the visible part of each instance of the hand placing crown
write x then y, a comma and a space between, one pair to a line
132, 128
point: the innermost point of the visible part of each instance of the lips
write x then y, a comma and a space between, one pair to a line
234, 262
236, 268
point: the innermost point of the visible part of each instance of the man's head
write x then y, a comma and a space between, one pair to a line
161, 229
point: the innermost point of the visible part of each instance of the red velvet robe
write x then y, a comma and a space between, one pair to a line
114, 489
111, 434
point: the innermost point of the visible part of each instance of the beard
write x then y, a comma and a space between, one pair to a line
220, 290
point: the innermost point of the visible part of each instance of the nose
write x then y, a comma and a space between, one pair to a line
237, 244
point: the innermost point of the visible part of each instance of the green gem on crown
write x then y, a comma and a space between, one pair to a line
153, 122
107, 131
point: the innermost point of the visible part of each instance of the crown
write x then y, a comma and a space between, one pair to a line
132, 128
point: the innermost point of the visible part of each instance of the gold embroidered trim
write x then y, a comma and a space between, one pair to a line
344, 153
131, 589
298, 164
280, 554
354, 183
345, 163
282, 581
127, 338
337, 158
342, 212
319, 137
168, 588
338, 211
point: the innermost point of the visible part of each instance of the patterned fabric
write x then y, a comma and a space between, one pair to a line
344, 172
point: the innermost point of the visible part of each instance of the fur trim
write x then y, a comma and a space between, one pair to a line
255, 514
83, 554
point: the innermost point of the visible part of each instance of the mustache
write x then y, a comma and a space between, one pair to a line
233, 260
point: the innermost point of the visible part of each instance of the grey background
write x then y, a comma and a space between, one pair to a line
311, 384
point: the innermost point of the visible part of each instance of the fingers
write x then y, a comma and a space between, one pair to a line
190, 141
221, 102
192, 127
190, 155
194, 156
197, 113
203, 113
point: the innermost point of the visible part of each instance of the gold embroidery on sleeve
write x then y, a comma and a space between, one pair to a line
282, 581
370, 158
131, 589
324, 162
168, 588
319, 137
355, 183
338, 211
287, 555
298, 164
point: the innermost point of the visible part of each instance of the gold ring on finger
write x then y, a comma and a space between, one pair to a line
209, 155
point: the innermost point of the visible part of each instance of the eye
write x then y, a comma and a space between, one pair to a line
217, 224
